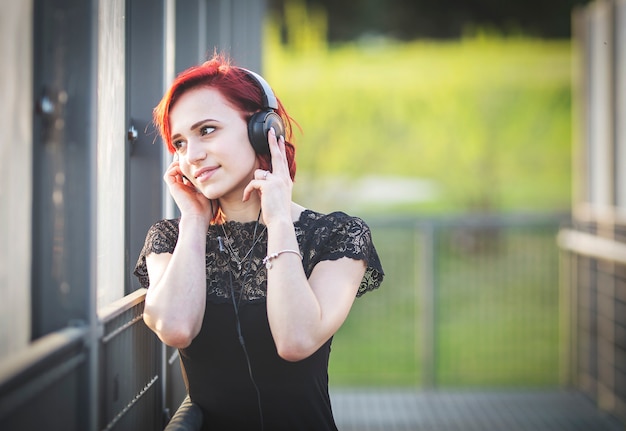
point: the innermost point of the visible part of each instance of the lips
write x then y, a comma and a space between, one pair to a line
205, 173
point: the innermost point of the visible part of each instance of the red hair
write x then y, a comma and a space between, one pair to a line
235, 86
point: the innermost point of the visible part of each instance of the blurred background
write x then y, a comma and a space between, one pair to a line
467, 134
448, 127
483, 141
420, 107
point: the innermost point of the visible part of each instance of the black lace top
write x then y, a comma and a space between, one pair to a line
293, 395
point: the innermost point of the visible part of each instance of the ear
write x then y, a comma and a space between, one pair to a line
259, 126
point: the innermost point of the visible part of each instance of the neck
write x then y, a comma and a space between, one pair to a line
241, 211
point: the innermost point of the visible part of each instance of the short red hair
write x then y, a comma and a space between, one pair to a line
237, 87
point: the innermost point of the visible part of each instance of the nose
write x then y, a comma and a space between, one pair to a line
195, 151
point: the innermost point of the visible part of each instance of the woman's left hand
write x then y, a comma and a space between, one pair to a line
275, 187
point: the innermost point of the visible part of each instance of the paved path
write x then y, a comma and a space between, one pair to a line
510, 410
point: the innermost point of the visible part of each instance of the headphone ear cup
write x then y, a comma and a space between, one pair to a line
259, 126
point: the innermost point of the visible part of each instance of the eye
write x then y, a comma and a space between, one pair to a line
205, 130
178, 144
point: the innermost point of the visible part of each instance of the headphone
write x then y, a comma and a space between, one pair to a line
261, 122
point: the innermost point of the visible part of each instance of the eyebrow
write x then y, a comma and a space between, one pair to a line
194, 126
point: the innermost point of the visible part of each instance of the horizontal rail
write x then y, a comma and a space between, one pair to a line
44, 362
493, 220
111, 311
589, 245
111, 335
38, 354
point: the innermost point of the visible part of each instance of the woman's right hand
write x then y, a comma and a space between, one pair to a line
190, 201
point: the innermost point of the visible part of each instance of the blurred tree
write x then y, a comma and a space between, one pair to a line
412, 19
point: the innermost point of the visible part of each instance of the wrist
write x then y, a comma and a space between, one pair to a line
267, 261
279, 224
194, 221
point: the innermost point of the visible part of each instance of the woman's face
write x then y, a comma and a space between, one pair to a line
212, 143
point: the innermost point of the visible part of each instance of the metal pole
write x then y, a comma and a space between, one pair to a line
428, 305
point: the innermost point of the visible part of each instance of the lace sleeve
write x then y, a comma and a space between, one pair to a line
161, 238
351, 237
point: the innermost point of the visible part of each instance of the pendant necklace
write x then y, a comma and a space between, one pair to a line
229, 243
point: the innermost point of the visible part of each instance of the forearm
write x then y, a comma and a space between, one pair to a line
294, 312
175, 302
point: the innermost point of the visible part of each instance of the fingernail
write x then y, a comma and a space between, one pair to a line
273, 131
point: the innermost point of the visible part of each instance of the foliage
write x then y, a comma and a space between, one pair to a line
486, 119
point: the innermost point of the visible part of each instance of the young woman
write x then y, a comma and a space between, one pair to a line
248, 285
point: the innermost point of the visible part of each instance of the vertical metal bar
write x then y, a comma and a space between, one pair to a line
95, 329
235, 28
169, 207
64, 190
190, 33
565, 314
169, 51
145, 25
573, 321
428, 309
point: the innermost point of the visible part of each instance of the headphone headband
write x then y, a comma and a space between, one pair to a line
269, 100
261, 122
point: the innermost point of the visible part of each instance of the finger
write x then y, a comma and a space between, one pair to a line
172, 173
252, 186
279, 159
283, 151
261, 174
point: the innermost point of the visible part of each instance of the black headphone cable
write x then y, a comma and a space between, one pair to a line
236, 304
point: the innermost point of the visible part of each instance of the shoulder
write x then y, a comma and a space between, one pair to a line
333, 231
310, 218
162, 236
166, 225
338, 222
336, 235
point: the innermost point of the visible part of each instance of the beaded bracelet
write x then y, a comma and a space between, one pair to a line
267, 260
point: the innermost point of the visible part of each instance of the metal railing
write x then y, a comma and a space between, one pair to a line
45, 386
118, 379
594, 281
467, 301
130, 368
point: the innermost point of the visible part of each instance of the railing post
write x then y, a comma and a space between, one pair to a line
428, 329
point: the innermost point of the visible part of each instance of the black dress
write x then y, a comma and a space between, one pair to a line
233, 393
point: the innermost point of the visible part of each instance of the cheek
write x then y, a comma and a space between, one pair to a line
184, 168
249, 162
247, 153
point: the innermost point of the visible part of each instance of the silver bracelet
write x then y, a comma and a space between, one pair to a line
267, 260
